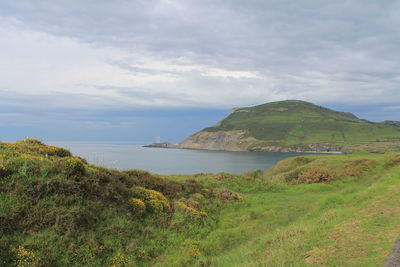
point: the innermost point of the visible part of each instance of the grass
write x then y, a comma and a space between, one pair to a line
352, 221
297, 124
57, 210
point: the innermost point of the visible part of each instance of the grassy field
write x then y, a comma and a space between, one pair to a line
57, 210
298, 123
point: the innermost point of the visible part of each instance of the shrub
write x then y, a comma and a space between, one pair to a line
225, 194
71, 167
25, 165
198, 197
138, 173
314, 175
155, 201
289, 164
3, 171
224, 176
142, 254
293, 175
193, 186
145, 179
155, 206
393, 161
188, 215
193, 203
30, 141
137, 205
6, 253
194, 252
26, 258
120, 260
56, 151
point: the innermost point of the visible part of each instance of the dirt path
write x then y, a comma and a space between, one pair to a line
394, 258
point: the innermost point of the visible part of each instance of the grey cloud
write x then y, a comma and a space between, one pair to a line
352, 45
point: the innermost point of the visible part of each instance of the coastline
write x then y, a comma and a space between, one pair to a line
167, 145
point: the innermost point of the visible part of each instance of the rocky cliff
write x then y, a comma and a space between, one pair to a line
220, 140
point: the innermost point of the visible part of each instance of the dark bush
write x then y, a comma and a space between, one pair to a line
3, 171
169, 188
56, 151
5, 252
71, 167
293, 175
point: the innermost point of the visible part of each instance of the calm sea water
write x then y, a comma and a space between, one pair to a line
124, 156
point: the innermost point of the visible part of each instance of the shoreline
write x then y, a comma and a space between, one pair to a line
176, 146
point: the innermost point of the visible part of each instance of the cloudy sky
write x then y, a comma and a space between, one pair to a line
133, 70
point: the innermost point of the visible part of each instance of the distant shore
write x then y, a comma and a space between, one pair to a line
283, 150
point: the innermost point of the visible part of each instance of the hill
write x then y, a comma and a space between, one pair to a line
298, 126
58, 210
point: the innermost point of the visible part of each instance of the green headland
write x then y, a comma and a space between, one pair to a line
330, 210
297, 126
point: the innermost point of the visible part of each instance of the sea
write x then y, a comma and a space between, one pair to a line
132, 155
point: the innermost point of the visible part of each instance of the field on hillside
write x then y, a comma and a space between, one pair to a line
58, 210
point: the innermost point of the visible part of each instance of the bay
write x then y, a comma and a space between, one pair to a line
130, 155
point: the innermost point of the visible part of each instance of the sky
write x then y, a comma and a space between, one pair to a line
100, 70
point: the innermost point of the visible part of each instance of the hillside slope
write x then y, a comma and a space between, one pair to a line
58, 210
295, 126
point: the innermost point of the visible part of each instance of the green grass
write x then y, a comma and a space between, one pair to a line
353, 221
57, 210
297, 124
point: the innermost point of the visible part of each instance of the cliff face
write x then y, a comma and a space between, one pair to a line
237, 141
220, 140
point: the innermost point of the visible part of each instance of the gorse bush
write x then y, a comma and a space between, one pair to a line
155, 201
138, 206
71, 167
315, 175
186, 215
225, 194
121, 260
26, 258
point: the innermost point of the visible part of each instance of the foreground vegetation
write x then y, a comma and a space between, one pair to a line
58, 210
